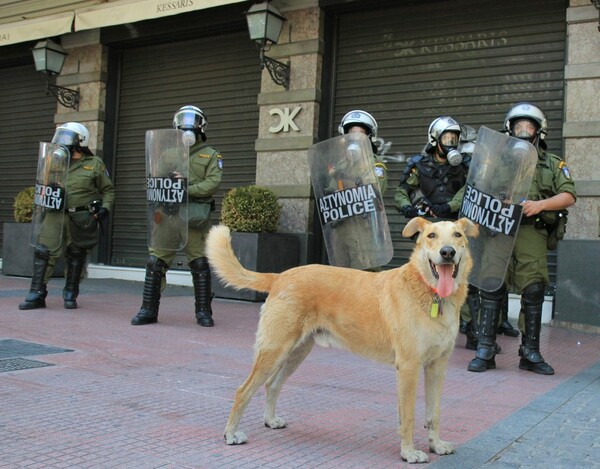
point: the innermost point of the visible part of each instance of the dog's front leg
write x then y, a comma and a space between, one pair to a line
435, 373
408, 378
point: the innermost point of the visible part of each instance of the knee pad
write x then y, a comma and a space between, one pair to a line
496, 295
533, 294
199, 264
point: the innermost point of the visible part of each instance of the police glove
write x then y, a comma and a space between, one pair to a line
101, 214
440, 210
409, 211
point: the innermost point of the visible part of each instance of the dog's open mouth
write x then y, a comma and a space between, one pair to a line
445, 275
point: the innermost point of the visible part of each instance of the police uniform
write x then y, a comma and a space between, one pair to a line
205, 173
439, 183
75, 231
527, 272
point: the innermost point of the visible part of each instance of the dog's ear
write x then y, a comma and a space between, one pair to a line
470, 228
414, 226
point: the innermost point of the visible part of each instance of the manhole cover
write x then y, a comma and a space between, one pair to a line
15, 364
12, 348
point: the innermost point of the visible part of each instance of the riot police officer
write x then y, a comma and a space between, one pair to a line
432, 184
552, 190
89, 199
362, 121
349, 245
205, 172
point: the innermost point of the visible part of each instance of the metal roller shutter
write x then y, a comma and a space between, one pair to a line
219, 74
414, 61
28, 119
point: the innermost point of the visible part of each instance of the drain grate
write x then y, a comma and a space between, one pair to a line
15, 364
12, 348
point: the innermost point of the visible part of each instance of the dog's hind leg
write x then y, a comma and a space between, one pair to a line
435, 373
408, 379
275, 382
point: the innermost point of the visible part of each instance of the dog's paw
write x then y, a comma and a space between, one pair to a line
238, 438
275, 422
442, 447
414, 455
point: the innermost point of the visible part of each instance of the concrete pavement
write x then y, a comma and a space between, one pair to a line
96, 392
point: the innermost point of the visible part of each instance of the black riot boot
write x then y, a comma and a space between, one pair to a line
202, 292
531, 359
505, 326
75, 263
36, 298
491, 302
474, 302
155, 271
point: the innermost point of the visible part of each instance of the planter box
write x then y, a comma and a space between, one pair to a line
17, 253
260, 252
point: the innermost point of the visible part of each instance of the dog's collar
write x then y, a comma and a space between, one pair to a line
436, 303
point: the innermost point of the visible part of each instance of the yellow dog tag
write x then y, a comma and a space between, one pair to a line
436, 307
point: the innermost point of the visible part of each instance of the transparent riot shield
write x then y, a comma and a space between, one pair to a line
349, 202
499, 178
167, 172
50, 196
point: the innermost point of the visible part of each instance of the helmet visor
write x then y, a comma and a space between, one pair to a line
524, 128
450, 139
188, 121
66, 137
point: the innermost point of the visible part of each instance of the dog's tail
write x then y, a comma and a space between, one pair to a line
227, 267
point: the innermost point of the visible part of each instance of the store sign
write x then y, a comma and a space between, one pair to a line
286, 119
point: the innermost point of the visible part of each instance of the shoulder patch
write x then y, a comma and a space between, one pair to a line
220, 162
563, 167
380, 170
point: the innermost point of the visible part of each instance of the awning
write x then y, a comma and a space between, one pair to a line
36, 28
130, 11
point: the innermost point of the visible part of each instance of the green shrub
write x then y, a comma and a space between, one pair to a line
251, 209
23, 205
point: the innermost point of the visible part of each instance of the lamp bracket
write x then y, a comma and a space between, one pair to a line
65, 96
280, 72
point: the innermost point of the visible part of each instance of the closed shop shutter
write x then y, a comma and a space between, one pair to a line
219, 74
412, 62
27, 118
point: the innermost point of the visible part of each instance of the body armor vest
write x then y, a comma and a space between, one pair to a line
439, 183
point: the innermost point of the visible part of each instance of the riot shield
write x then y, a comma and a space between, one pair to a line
499, 178
167, 172
349, 202
50, 195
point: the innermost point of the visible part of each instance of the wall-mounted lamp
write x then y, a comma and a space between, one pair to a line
49, 58
597, 5
264, 24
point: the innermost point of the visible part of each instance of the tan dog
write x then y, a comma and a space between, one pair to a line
387, 316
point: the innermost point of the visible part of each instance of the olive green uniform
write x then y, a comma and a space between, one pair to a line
87, 180
527, 273
205, 173
529, 261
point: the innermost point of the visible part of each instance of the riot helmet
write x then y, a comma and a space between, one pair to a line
444, 134
192, 121
74, 136
361, 119
526, 121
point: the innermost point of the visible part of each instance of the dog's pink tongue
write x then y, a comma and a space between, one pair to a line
445, 282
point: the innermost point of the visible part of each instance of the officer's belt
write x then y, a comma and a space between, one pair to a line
201, 200
83, 208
